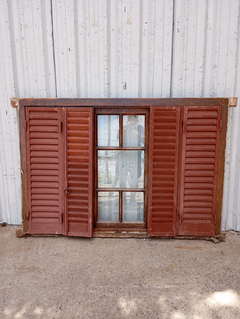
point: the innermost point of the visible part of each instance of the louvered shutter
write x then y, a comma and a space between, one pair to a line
163, 170
201, 127
45, 173
79, 171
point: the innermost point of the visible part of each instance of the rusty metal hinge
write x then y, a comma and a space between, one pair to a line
181, 218
214, 219
66, 189
220, 125
26, 126
60, 126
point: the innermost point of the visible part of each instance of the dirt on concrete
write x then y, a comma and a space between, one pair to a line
63, 277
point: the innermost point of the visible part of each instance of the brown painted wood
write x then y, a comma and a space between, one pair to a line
199, 166
120, 226
79, 168
103, 106
128, 110
121, 113
163, 170
119, 102
15, 102
121, 131
180, 154
120, 207
146, 168
116, 148
121, 189
44, 171
126, 234
95, 172
232, 102
221, 167
24, 178
131, 233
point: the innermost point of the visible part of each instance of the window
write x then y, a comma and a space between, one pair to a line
121, 156
122, 165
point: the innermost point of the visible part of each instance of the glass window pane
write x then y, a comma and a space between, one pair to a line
108, 130
134, 130
108, 206
121, 169
133, 206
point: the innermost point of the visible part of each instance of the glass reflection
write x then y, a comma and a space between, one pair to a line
134, 130
133, 206
108, 130
108, 206
120, 169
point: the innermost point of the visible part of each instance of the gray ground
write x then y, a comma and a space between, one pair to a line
48, 277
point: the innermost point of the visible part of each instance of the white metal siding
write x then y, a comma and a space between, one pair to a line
9, 146
120, 48
206, 64
26, 70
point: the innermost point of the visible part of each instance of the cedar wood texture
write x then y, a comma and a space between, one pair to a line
120, 103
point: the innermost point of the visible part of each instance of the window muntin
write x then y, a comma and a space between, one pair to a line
120, 157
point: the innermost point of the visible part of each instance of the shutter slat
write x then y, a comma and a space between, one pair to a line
163, 170
42, 115
79, 154
44, 170
199, 171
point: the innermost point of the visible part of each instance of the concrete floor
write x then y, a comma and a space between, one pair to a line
49, 277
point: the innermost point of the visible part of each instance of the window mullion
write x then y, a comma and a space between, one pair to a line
120, 207
121, 131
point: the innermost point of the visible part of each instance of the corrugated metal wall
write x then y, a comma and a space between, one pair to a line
124, 48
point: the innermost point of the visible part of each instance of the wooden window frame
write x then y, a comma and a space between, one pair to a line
102, 226
22, 103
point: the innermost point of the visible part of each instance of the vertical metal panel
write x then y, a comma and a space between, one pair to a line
204, 48
206, 64
188, 48
32, 50
80, 40
26, 70
113, 48
10, 208
231, 200
122, 48
64, 45
155, 48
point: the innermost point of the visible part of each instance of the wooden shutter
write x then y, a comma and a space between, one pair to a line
201, 126
45, 174
79, 171
163, 170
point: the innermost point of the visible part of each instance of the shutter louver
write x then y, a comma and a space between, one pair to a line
79, 171
44, 171
163, 170
199, 170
